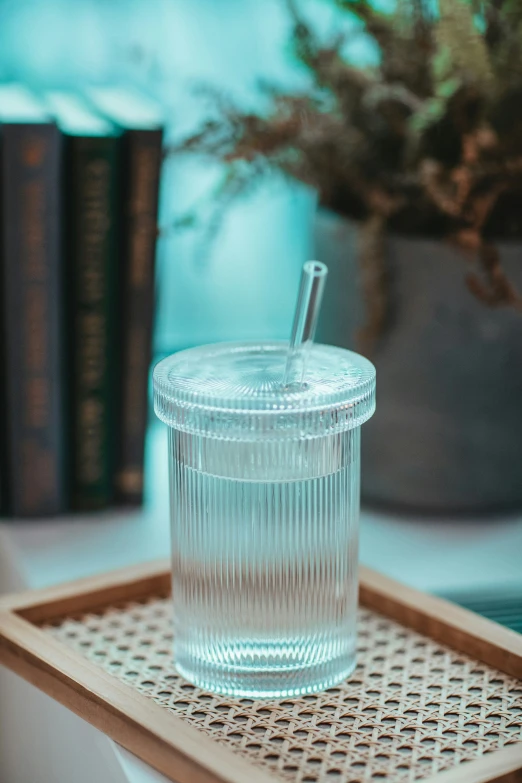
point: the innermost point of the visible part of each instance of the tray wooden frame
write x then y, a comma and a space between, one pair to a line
169, 744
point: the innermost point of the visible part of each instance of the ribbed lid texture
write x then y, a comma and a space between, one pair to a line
234, 391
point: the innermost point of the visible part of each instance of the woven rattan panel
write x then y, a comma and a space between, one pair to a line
412, 708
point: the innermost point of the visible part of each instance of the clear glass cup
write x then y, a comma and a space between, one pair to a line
264, 484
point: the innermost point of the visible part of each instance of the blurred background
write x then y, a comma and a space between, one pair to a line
242, 286
239, 284
349, 130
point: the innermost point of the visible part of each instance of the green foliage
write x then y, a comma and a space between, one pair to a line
461, 48
428, 143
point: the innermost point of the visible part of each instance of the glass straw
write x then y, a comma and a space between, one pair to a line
311, 290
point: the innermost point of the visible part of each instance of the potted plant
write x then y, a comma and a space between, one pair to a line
417, 163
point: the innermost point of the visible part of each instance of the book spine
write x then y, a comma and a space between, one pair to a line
31, 216
4, 451
92, 247
143, 163
4, 500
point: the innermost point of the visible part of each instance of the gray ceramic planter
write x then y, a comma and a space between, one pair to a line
447, 434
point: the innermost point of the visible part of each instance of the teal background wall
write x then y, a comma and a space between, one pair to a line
242, 285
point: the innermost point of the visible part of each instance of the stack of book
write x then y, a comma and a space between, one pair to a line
79, 183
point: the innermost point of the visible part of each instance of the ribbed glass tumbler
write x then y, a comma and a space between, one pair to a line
264, 484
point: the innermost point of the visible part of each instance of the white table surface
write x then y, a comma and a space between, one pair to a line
42, 742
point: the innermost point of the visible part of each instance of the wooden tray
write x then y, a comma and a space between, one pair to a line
437, 693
